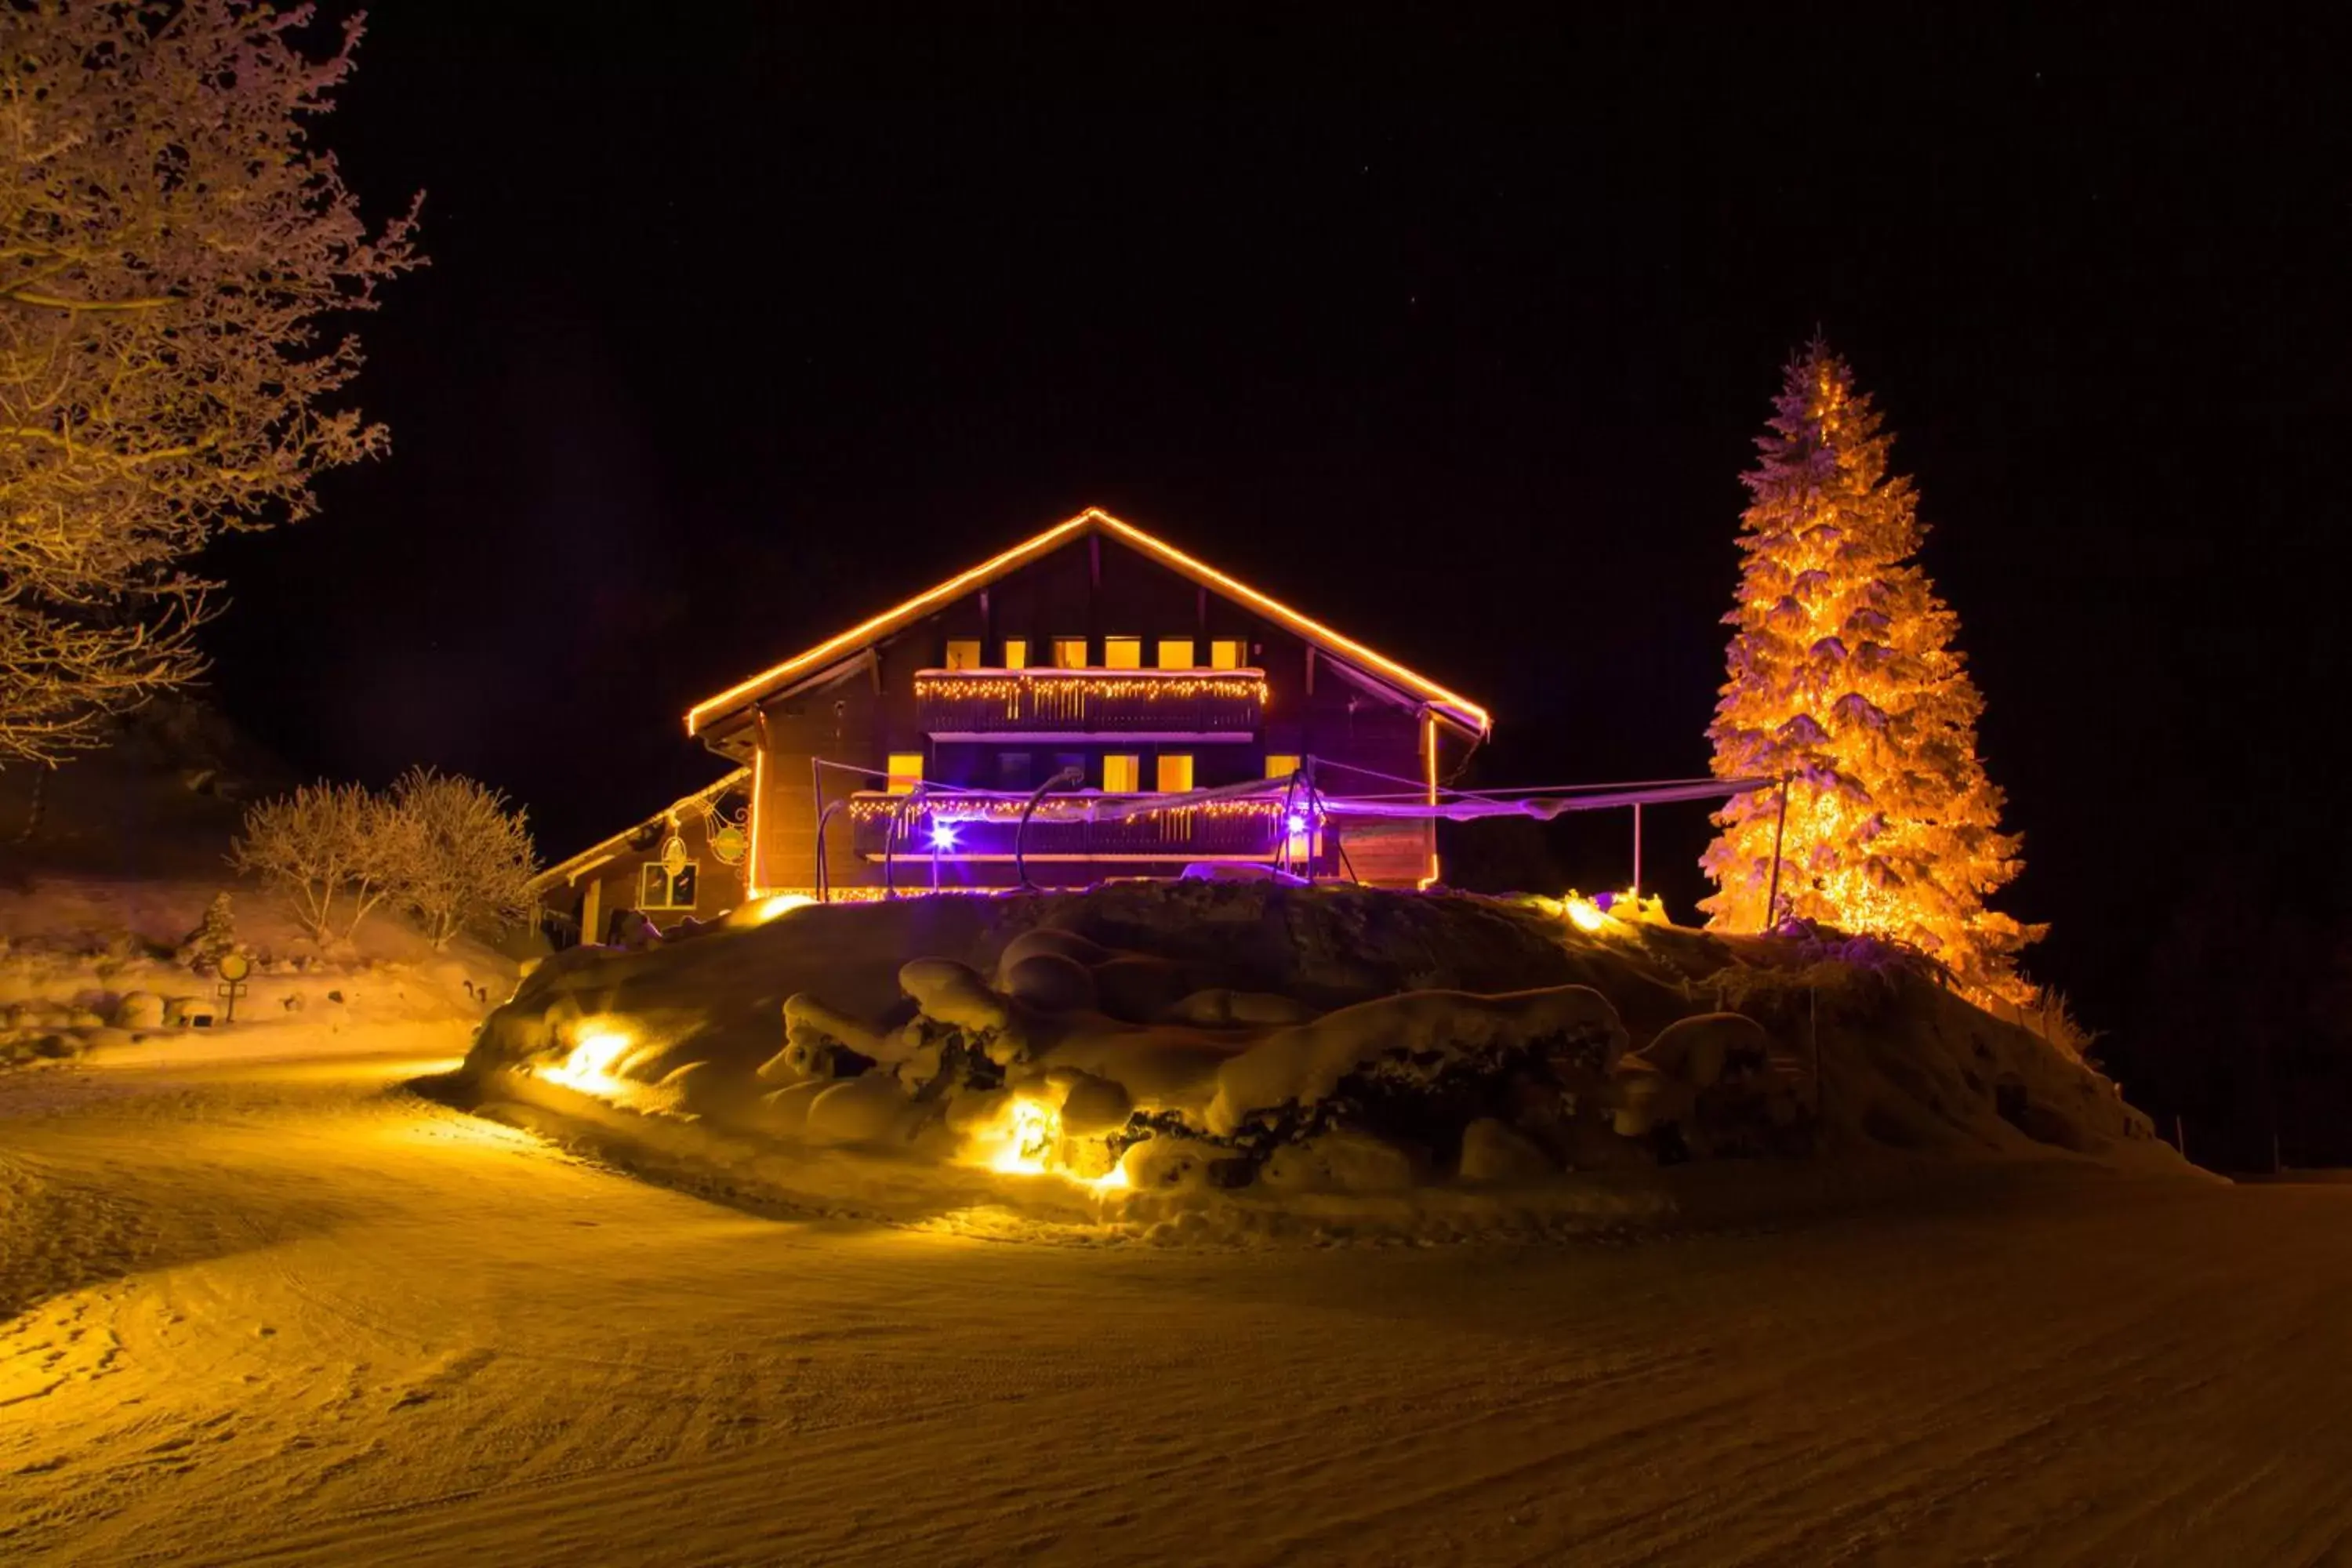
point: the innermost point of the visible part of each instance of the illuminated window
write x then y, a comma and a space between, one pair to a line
1069, 653
1016, 653
1175, 775
1120, 775
905, 772
659, 888
1278, 766
1228, 653
963, 653
1175, 653
1122, 653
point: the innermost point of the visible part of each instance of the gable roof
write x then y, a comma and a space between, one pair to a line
1456, 710
605, 848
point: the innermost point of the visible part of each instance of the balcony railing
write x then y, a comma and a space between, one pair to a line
1056, 704
982, 830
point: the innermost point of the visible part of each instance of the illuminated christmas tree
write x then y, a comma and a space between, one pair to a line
1843, 679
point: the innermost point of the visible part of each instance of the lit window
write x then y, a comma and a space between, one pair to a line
1122, 653
1016, 653
1227, 653
1175, 653
963, 653
1175, 775
659, 888
1278, 766
905, 772
1069, 653
1120, 775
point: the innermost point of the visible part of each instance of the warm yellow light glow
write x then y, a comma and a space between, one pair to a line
1113, 685
1429, 763
1457, 709
1585, 915
1023, 1140
753, 884
588, 1066
760, 911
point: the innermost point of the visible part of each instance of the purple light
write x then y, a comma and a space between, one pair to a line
1296, 822
943, 836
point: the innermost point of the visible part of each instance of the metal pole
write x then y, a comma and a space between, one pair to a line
823, 878
889, 847
1779, 831
816, 804
1072, 778
1637, 849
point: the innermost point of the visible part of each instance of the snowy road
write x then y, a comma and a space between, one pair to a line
263, 1314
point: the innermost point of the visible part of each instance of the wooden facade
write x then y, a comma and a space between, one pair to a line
1097, 648
584, 897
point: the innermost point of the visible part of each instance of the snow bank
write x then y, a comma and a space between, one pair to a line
98, 968
1206, 1043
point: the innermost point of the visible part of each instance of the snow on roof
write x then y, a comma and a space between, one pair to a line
1455, 709
605, 848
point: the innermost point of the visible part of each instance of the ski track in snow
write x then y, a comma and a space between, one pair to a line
290, 1314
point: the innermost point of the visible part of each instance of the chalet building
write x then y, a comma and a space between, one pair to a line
1178, 715
686, 859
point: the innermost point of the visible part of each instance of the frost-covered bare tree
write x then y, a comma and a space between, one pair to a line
469, 856
333, 852
173, 244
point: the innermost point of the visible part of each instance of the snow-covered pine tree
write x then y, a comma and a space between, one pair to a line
1843, 677
214, 939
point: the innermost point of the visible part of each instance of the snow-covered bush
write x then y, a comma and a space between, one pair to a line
332, 852
443, 846
470, 857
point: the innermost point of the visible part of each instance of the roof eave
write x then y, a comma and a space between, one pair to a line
1464, 714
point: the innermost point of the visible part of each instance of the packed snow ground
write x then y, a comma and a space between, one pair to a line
293, 1312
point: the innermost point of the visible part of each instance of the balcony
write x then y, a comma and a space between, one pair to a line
1080, 704
974, 829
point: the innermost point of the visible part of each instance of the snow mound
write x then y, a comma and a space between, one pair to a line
1162, 1048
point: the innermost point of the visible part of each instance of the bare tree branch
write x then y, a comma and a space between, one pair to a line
171, 242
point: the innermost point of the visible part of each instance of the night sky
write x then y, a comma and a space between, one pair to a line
745, 324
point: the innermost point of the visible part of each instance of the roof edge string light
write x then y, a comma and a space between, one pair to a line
1457, 708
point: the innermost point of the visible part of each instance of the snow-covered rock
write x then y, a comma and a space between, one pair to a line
866, 1110
1493, 1151
1342, 1160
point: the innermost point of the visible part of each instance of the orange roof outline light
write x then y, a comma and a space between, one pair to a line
1454, 708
